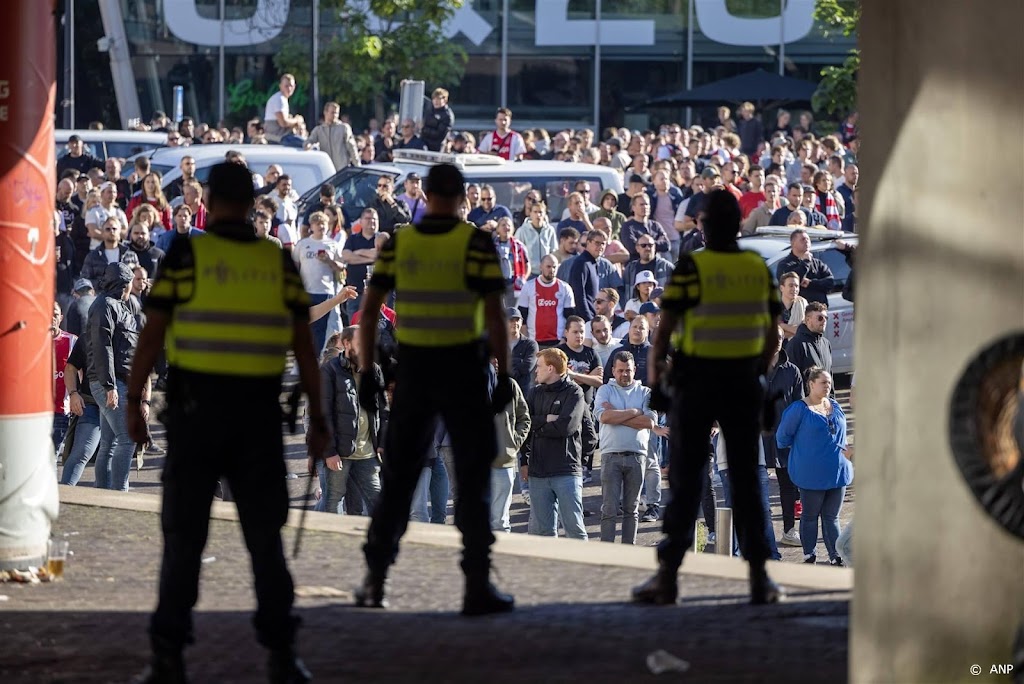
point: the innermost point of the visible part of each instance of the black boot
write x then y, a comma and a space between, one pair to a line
763, 589
661, 589
284, 667
164, 668
483, 598
372, 592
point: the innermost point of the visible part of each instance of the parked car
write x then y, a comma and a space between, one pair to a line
110, 143
307, 168
772, 243
356, 186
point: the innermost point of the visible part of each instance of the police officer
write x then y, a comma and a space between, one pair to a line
728, 307
229, 305
449, 289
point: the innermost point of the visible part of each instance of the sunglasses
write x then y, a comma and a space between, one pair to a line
383, 185
819, 317
644, 245
600, 301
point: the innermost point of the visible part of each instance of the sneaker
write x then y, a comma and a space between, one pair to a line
587, 476
791, 538
652, 514
711, 538
154, 450
810, 559
526, 496
798, 508
837, 562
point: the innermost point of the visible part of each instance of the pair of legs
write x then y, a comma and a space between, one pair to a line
622, 476
461, 399
85, 439
358, 477
557, 498
114, 459
824, 504
502, 481
432, 491
769, 531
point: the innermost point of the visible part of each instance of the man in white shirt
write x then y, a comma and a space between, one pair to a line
318, 260
278, 122
287, 212
602, 341
107, 208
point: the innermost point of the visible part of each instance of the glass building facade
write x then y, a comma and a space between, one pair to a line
553, 62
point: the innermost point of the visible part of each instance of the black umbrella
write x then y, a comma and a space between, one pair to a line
757, 85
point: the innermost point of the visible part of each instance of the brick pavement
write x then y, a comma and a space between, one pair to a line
572, 625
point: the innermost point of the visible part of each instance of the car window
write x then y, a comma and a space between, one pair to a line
355, 189
123, 150
835, 260
511, 192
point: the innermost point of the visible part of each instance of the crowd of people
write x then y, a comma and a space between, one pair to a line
583, 298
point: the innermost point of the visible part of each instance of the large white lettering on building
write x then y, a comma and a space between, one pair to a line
554, 28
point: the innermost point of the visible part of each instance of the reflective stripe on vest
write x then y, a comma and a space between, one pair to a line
434, 307
236, 322
730, 321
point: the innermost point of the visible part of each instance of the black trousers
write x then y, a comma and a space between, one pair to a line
450, 382
706, 390
232, 432
788, 495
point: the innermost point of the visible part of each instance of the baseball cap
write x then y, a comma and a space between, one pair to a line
649, 307
74, 138
615, 141
413, 176
645, 277
513, 312
808, 188
710, 172
82, 284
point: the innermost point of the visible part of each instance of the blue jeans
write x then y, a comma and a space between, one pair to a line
87, 438
501, 498
565, 492
824, 504
60, 429
358, 477
622, 476
674, 248
114, 459
769, 531
319, 326
292, 140
433, 488
652, 472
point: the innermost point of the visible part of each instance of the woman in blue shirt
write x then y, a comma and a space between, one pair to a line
815, 432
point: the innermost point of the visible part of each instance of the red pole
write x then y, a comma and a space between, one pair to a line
28, 491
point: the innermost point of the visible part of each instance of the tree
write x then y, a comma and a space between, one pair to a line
837, 90
375, 44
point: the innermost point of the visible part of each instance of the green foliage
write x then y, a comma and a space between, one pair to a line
837, 91
370, 53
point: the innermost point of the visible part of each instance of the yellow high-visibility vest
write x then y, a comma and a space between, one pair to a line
433, 304
730, 321
236, 322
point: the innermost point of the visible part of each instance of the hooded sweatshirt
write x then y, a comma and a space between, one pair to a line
113, 330
554, 449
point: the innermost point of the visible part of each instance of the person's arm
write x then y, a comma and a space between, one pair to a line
786, 432
661, 241
285, 121
497, 330
309, 375
617, 416
358, 257
569, 420
820, 275
588, 379
147, 350
313, 138
350, 146
521, 429
373, 300
101, 336
641, 422
318, 311
329, 389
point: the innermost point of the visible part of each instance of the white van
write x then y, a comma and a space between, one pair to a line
307, 168
772, 243
109, 143
356, 186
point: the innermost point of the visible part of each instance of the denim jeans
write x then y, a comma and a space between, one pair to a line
359, 477
86, 439
769, 531
447, 455
824, 504
432, 488
622, 475
114, 459
674, 248
319, 326
501, 498
567, 492
652, 472
60, 429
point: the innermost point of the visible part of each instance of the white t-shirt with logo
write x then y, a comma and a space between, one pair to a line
317, 276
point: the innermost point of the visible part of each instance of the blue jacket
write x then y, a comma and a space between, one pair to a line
816, 459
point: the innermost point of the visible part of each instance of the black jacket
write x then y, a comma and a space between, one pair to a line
437, 124
149, 258
96, 263
391, 215
554, 448
639, 352
815, 270
113, 335
807, 349
524, 361
76, 320
785, 385
64, 255
341, 406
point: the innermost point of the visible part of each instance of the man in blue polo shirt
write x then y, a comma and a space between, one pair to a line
487, 214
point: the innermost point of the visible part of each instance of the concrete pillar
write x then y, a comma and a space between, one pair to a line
939, 585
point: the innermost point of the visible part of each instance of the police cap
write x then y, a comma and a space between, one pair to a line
231, 182
445, 180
